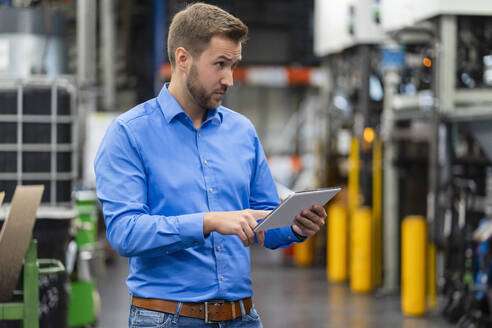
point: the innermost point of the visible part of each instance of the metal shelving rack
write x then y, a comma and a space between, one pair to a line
42, 135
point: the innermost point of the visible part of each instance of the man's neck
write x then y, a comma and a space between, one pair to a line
196, 113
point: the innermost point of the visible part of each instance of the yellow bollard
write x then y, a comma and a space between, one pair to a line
304, 252
431, 283
377, 203
361, 251
413, 265
336, 243
353, 185
353, 176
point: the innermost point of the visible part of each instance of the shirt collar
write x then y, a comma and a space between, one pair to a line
171, 108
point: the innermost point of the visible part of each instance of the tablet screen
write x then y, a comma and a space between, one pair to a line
283, 215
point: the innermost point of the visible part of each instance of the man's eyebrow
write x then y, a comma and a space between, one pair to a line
228, 58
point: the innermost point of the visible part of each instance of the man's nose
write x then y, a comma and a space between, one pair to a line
228, 78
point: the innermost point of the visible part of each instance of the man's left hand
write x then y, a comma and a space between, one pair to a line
308, 222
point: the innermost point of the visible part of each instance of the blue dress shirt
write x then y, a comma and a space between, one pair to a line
156, 177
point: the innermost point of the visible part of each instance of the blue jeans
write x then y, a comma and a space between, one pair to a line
140, 318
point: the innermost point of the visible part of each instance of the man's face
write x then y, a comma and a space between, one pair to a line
211, 74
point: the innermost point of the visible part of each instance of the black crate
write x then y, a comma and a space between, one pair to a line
36, 162
36, 101
8, 162
46, 136
63, 102
38, 133
8, 132
8, 102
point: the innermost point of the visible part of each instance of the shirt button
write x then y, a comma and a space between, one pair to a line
289, 237
221, 277
167, 252
211, 190
218, 248
199, 135
196, 243
205, 162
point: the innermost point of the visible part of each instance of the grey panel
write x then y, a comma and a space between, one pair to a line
32, 21
482, 132
267, 47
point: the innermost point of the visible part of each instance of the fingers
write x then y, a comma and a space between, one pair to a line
306, 225
259, 214
313, 217
248, 230
261, 237
256, 215
243, 237
246, 221
320, 210
310, 221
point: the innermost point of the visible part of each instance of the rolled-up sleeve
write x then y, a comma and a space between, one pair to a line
121, 185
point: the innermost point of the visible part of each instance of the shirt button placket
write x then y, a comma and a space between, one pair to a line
205, 163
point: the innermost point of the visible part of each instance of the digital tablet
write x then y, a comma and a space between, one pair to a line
283, 215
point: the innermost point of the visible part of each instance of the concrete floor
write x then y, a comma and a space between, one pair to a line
284, 297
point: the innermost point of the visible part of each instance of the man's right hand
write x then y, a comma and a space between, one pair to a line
240, 223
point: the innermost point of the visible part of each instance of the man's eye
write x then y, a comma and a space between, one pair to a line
219, 64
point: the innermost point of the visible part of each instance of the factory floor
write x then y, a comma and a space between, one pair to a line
285, 296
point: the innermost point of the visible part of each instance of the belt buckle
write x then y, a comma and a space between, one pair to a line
213, 302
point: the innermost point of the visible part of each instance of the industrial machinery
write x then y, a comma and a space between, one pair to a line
418, 74
347, 36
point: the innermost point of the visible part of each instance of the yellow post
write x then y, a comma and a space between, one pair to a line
361, 251
304, 252
413, 265
353, 176
336, 243
431, 283
353, 186
377, 203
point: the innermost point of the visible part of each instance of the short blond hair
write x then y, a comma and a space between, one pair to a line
193, 27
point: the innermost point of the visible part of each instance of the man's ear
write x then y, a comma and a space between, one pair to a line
183, 59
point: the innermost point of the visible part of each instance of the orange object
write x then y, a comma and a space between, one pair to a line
299, 75
165, 71
427, 62
269, 75
296, 163
239, 74
368, 135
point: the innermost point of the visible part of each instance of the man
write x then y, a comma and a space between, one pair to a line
183, 181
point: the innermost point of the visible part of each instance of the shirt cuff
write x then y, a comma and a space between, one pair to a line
287, 234
191, 228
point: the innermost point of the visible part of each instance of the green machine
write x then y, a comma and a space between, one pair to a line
84, 304
25, 304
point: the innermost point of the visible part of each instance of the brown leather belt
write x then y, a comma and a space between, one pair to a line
211, 311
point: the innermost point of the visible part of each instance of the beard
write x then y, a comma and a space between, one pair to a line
207, 100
